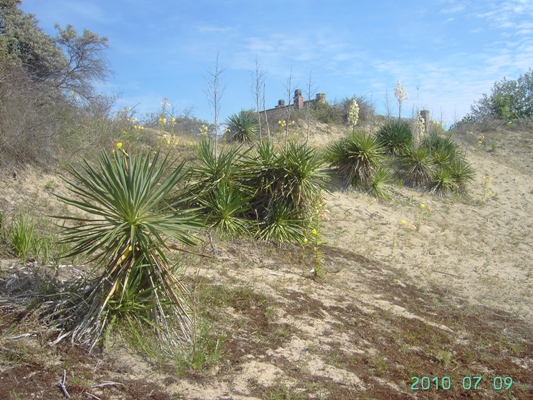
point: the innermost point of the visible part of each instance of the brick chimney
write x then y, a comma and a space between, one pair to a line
298, 99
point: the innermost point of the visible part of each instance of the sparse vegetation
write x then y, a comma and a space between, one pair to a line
276, 296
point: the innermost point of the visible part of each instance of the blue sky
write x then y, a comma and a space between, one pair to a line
446, 53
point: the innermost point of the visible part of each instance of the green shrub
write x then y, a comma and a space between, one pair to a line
286, 184
416, 166
462, 173
125, 231
242, 127
226, 207
356, 158
20, 234
378, 187
510, 101
395, 136
327, 114
440, 145
282, 223
442, 181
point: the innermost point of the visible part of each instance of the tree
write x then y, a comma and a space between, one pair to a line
68, 62
27, 44
37, 119
511, 101
85, 60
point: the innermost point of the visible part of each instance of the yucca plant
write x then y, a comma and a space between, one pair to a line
356, 158
395, 136
283, 223
213, 168
124, 232
242, 127
378, 186
442, 157
217, 188
285, 182
462, 173
442, 181
302, 176
416, 166
226, 208
443, 145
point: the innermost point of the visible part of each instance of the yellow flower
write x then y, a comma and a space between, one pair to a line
173, 119
314, 232
403, 222
422, 205
305, 240
119, 145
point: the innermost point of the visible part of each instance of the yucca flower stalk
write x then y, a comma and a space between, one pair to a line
353, 114
124, 231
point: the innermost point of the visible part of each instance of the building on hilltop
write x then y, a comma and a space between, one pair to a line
281, 111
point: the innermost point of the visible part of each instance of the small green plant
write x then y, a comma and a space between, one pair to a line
462, 173
443, 357
356, 159
379, 185
21, 236
43, 248
422, 216
226, 206
315, 238
416, 166
14, 395
442, 181
486, 190
49, 185
395, 136
242, 127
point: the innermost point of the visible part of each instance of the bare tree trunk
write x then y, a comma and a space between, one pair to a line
214, 95
311, 90
258, 81
289, 93
388, 106
266, 114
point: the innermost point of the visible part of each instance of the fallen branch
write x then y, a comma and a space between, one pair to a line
106, 384
92, 396
62, 385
